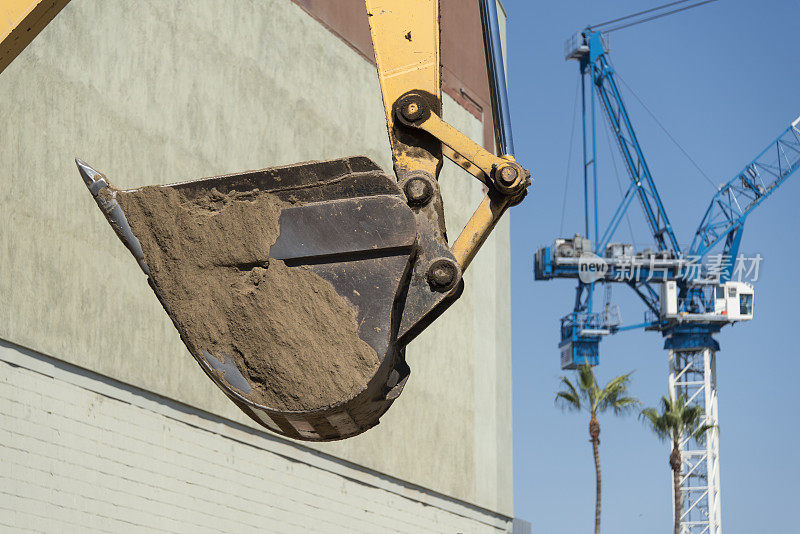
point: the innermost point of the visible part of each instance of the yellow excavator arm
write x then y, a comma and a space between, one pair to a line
20, 22
405, 36
297, 288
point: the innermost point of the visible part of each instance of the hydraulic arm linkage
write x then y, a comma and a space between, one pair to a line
361, 261
405, 35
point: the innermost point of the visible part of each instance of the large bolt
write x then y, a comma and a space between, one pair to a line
443, 274
508, 175
411, 108
510, 179
418, 190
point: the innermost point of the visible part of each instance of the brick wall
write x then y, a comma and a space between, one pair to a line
84, 453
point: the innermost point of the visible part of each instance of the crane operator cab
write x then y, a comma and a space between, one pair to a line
735, 300
732, 302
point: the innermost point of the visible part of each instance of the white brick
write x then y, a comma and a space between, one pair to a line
76, 460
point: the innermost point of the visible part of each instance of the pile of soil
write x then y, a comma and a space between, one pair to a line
287, 330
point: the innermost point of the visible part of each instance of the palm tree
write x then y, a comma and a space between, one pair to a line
592, 398
675, 422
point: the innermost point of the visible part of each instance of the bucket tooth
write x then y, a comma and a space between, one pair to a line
106, 197
93, 179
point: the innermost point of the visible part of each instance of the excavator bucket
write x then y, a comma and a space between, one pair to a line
295, 288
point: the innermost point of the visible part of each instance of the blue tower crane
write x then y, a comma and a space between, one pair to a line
693, 315
688, 298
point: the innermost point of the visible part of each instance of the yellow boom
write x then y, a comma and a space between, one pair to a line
405, 35
20, 22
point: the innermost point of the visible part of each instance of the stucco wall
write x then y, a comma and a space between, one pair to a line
154, 92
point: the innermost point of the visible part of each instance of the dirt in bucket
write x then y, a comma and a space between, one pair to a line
287, 330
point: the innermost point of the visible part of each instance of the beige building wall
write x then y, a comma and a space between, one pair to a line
155, 92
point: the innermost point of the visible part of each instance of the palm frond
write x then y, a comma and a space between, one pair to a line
625, 405
677, 420
692, 415
700, 433
657, 423
568, 398
588, 384
586, 394
617, 385
614, 396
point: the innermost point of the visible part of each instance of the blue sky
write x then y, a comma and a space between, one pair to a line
724, 79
